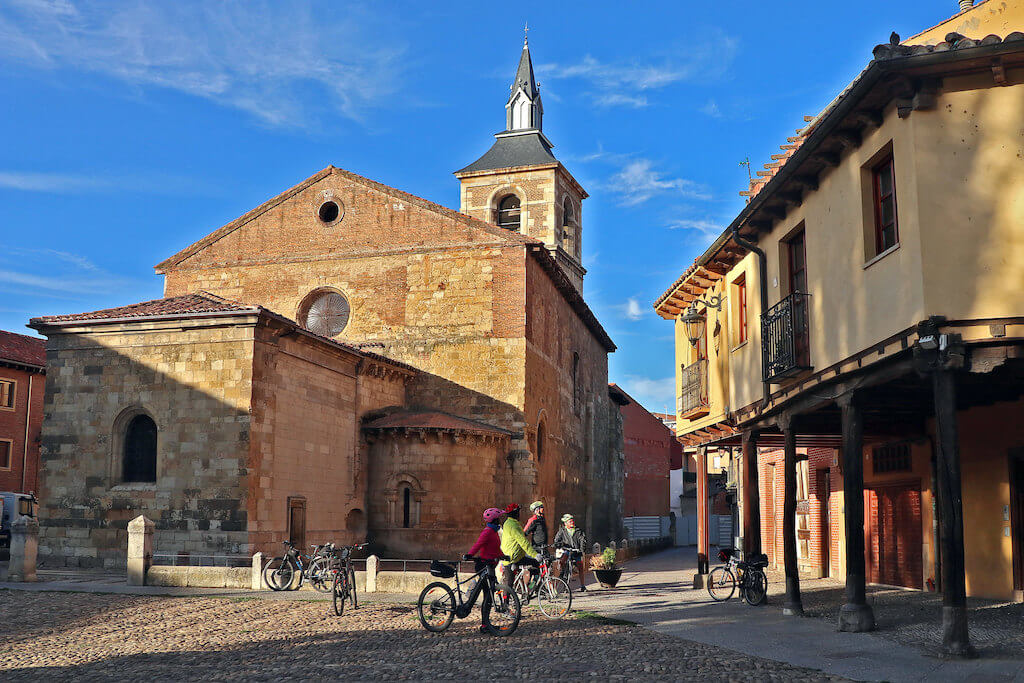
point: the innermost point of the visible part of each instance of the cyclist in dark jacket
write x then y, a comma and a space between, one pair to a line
536, 528
571, 538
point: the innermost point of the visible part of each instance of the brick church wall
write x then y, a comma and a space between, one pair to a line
304, 440
192, 378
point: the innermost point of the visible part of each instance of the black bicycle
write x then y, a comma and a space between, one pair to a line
570, 558
343, 587
747, 575
280, 572
439, 604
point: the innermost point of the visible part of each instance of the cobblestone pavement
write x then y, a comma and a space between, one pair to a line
62, 636
915, 617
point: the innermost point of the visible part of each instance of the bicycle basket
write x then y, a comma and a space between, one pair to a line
441, 569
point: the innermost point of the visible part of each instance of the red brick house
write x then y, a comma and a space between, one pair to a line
650, 449
22, 379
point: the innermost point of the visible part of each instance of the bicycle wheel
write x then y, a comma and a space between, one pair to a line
554, 598
352, 588
436, 607
502, 616
319, 573
756, 588
339, 592
721, 583
278, 574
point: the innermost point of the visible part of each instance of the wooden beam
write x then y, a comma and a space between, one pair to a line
827, 158
869, 117
791, 198
856, 614
775, 211
848, 138
807, 182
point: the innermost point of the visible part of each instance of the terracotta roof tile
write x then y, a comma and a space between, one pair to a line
22, 349
175, 305
433, 420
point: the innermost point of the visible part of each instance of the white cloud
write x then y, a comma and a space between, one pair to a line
653, 394
638, 181
623, 83
50, 272
280, 64
711, 109
705, 228
631, 310
72, 183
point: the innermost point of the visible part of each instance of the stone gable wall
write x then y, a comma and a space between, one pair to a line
193, 379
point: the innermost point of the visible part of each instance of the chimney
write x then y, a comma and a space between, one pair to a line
966, 5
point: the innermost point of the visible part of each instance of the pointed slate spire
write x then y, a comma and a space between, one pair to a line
524, 109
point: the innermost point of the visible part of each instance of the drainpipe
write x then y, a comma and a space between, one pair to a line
28, 418
762, 271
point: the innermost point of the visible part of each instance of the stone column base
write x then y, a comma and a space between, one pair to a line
698, 580
793, 609
855, 618
955, 641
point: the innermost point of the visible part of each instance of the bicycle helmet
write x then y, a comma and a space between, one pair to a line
536, 504
492, 515
566, 517
511, 507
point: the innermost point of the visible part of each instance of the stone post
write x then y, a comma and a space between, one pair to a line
140, 549
371, 573
257, 572
24, 545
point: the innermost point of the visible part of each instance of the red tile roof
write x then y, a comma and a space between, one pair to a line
22, 349
175, 305
432, 420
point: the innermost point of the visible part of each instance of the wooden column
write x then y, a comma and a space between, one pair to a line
751, 496
703, 516
793, 605
955, 639
856, 615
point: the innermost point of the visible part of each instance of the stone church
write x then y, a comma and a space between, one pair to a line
346, 361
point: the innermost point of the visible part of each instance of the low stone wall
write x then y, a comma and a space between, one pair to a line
200, 577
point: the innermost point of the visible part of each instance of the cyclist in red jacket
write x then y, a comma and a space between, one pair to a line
487, 549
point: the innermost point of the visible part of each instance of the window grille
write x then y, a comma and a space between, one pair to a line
891, 458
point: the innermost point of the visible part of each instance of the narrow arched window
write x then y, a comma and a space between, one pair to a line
576, 397
567, 217
509, 213
406, 507
140, 450
541, 436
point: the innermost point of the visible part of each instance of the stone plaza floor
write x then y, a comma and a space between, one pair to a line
87, 636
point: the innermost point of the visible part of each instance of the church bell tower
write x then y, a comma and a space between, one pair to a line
520, 185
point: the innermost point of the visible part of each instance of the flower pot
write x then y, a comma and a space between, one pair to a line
608, 577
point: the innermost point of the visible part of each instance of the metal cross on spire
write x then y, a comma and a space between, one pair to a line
526, 33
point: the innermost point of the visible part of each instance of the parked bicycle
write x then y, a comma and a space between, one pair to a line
747, 575
438, 604
554, 597
343, 587
279, 574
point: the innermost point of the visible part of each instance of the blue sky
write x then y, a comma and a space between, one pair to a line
131, 129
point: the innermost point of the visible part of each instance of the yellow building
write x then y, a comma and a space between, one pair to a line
860, 324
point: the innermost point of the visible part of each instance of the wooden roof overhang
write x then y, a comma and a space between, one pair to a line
711, 267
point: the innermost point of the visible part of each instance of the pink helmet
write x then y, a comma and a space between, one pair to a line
492, 515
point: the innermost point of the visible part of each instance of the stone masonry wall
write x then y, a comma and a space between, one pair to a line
193, 379
580, 449
452, 478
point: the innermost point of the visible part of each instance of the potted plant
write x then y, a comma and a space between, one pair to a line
604, 568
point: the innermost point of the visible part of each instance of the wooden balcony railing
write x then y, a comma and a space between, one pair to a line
693, 395
785, 347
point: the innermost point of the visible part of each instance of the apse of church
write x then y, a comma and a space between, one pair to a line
476, 372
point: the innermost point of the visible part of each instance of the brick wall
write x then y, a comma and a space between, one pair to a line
28, 402
648, 451
822, 472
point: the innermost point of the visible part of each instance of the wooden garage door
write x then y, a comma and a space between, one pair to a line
894, 539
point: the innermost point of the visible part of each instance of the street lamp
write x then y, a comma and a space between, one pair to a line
697, 322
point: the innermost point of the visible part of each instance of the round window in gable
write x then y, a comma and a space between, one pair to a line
325, 313
329, 212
